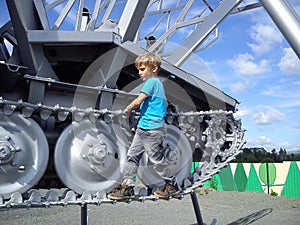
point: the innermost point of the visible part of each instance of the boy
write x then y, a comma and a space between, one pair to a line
150, 132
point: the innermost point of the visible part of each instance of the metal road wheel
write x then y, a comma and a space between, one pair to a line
178, 153
24, 154
88, 156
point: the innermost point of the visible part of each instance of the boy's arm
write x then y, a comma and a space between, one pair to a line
136, 102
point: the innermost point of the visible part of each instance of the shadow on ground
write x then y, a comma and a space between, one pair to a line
247, 219
252, 217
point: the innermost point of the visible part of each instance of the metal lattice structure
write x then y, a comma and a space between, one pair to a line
68, 73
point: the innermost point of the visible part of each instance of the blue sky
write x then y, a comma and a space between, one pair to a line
252, 62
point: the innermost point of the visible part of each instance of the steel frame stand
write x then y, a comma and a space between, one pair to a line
84, 216
197, 210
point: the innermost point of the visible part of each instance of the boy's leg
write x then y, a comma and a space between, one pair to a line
129, 171
134, 154
155, 151
153, 145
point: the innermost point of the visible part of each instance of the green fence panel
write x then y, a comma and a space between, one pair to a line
253, 183
240, 177
226, 178
292, 184
267, 173
214, 183
258, 178
217, 184
206, 183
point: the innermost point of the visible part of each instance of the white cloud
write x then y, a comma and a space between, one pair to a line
289, 63
265, 38
259, 141
244, 64
269, 144
274, 91
290, 104
242, 113
271, 115
264, 140
240, 86
296, 125
287, 90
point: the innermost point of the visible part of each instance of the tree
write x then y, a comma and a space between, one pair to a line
256, 155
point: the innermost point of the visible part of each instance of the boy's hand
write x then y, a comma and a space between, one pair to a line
127, 112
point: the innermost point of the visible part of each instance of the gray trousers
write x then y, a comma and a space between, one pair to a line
148, 141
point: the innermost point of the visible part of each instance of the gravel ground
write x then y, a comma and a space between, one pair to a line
231, 208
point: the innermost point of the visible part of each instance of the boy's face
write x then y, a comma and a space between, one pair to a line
146, 71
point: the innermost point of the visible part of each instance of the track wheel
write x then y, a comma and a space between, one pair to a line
24, 154
178, 153
88, 156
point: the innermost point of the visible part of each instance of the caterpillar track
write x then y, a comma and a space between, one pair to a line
66, 73
217, 154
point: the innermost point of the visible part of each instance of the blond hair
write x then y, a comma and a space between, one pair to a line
148, 59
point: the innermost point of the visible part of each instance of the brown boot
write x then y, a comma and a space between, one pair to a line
122, 192
166, 191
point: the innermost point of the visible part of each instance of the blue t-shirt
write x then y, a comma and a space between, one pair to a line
153, 108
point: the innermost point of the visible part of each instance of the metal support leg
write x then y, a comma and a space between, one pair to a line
84, 217
196, 208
